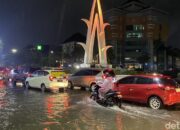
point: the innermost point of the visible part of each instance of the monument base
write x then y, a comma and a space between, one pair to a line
95, 66
103, 66
85, 65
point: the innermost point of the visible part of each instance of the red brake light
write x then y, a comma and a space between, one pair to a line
29, 75
65, 77
51, 78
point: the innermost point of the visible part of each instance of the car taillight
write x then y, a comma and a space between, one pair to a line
29, 75
51, 78
65, 77
10, 80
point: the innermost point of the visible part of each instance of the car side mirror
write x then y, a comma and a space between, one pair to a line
31, 75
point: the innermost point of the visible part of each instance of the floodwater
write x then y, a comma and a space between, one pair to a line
22, 109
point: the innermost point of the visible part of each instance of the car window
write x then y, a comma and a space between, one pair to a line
16, 71
25, 71
143, 80
80, 73
89, 72
86, 73
95, 72
166, 81
40, 73
127, 80
35, 74
31, 70
77, 73
20, 71
46, 73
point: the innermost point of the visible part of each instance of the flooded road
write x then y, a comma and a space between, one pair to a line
22, 109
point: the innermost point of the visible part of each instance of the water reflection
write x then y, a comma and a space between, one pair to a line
56, 106
3, 93
22, 109
119, 123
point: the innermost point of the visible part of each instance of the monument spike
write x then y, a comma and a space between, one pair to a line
91, 46
100, 15
95, 26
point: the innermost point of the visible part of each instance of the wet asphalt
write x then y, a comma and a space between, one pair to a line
22, 109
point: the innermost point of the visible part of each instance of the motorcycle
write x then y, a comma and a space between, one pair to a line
110, 98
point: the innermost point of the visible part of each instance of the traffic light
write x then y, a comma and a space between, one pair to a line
43, 48
39, 47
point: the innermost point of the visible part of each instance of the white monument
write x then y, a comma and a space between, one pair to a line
96, 27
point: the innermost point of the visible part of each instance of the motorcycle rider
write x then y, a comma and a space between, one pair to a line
108, 83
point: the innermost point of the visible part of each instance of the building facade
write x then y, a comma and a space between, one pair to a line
72, 52
137, 33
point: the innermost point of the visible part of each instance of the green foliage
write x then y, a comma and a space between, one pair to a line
125, 72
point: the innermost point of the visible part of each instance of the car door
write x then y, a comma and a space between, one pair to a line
124, 85
75, 78
89, 77
37, 80
40, 79
139, 90
32, 79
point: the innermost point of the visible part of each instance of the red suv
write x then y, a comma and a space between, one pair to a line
155, 90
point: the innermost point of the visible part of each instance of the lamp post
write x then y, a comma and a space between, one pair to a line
50, 57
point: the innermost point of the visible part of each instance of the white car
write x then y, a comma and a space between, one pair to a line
47, 79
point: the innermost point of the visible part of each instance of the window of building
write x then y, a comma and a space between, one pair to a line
134, 35
138, 27
129, 28
134, 27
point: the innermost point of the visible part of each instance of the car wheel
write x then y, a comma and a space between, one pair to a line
24, 84
92, 87
119, 103
155, 103
27, 85
43, 88
70, 85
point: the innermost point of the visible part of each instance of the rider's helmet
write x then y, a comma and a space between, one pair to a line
108, 73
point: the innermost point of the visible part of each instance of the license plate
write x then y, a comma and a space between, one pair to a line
178, 90
60, 80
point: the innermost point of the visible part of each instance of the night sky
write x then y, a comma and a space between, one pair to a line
24, 22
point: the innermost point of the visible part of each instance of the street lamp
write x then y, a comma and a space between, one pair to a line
52, 52
14, 51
